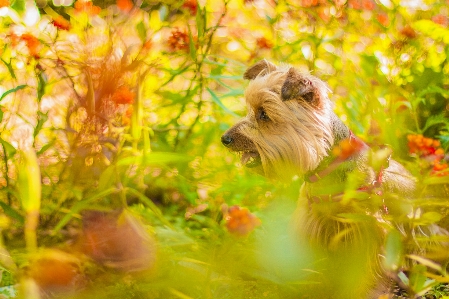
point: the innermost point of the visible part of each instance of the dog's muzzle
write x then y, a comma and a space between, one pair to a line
250, 158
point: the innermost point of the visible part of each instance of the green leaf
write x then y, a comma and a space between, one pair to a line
217, 100
8, 148
153, 158
192, 48
200, 21
393, 250
12, 90
141, 31
87, 202
10, 68
41, 83
18, 5
46, 147
42, 118
12, 212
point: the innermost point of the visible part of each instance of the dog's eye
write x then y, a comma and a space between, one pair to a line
263, 115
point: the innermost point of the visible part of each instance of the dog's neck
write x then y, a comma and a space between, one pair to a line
332, 170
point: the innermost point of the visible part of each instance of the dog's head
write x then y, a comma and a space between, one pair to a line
288, 128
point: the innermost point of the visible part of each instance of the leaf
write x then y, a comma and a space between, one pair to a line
149, 203
41, 83
12, 90
81, 205
10, 68
153, 158
217, 100
435, 120
12, 212
192, 47
19, 6
200, 21
393, 250
42, 118
8, 148
141, 31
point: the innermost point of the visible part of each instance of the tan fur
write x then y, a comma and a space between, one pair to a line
291, 128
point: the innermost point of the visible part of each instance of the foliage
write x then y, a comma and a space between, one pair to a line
122, 105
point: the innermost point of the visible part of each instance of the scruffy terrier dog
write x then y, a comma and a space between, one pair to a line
291, 130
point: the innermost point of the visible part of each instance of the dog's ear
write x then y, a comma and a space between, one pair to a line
298, 86
261, 68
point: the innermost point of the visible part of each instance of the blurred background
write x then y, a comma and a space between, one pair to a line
113, 180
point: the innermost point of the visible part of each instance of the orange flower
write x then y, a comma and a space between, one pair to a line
191, 5
423, 146
4, 3
32, 43
123, 95
240, 221
126, 119
178, 40
125, 5
439, 168
383, 19
347, 148
87, 7
147, 45
309, 3
263, 43
61, 23
440, 19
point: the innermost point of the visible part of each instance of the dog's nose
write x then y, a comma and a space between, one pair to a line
226, 140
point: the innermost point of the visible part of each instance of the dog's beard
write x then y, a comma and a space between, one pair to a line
289, 148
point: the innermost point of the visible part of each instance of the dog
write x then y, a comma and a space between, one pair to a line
291, 131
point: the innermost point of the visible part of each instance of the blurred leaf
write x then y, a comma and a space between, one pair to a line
154, 158
12, 213
418, 278
41, 83
29, 180
141, 31
18, 5
9, 149
10, 68
192, 46
12, 90
84, 204
41, 119
217, 100
393, 250
433, 30
426, 262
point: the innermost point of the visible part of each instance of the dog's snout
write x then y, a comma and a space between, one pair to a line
226, 140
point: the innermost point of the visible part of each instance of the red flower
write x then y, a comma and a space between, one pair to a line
123, 95
178, 40
240, 221
125, 5
61, 23
191, 5
87, 7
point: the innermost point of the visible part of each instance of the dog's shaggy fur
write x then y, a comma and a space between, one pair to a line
290, 130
